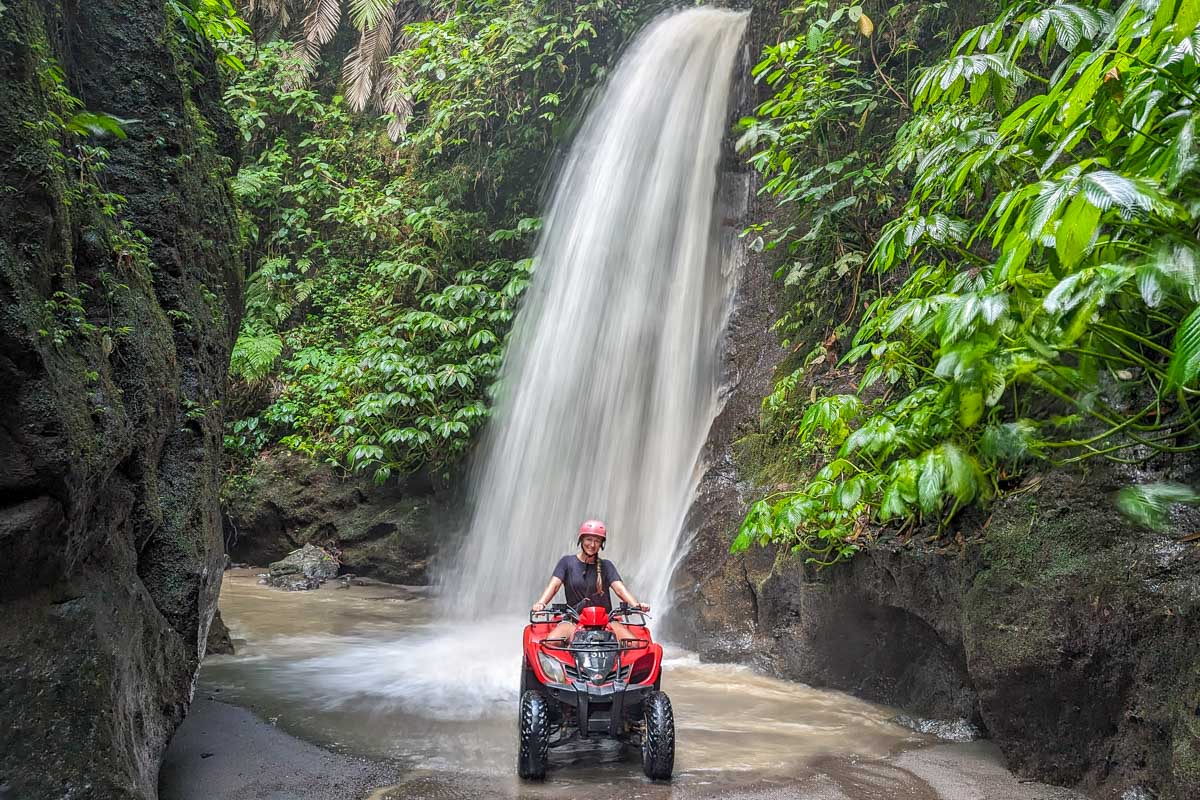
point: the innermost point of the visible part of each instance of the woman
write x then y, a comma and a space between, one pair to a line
586, 576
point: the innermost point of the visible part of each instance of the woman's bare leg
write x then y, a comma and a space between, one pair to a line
620, 631
563, 630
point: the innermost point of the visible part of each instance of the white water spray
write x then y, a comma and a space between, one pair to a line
610, 384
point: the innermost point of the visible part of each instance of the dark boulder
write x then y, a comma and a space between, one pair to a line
287, 501
219, 643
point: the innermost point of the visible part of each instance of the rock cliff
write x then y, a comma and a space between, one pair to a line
119, 290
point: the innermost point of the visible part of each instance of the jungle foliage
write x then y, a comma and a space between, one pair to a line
1036, 291
385, 274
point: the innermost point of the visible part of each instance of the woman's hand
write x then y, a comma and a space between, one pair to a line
538, 607
642, 606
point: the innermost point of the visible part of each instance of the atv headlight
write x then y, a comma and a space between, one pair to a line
552, 668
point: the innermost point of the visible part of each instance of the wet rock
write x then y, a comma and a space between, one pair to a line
287, 501
219, 642
303, 569
950, 730
1055, 627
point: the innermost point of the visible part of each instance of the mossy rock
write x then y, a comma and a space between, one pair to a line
1081, 636
386, 532
110, 413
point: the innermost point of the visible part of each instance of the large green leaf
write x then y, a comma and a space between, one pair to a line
1186, 19
1075, 230
1185, 354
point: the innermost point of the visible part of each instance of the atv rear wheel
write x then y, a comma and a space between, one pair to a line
535, 736
658, 737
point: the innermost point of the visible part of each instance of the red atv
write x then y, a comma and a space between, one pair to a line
593, 686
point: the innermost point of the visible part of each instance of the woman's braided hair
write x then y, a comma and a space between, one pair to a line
599, 572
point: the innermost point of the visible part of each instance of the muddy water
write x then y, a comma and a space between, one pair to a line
366, 671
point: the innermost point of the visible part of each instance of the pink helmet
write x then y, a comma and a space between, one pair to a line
593, 527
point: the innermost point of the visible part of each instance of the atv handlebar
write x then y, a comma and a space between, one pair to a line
566, 646
553, 613
557, 611
625, 610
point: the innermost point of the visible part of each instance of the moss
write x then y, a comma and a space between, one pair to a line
1044, 545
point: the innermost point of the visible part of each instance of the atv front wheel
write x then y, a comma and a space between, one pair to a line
528, 678
535, 736
658, 737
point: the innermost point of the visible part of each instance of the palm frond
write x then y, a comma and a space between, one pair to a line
366, 14
278, 10
322, 21
394, 100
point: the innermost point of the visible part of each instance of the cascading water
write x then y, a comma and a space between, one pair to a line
610, 383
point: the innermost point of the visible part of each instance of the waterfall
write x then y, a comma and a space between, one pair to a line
610, 382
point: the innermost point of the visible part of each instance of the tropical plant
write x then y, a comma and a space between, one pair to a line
215, 23
385, 276
492, 39
1048, 263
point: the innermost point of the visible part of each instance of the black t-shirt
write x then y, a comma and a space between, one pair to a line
579, 581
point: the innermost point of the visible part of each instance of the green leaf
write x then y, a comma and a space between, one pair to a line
1186, 20
87, 123
931, 481
1164, 15
1010, 441
1106, 189
1183, 156
755, 528
1084, 91
1076, 230
1185, 354
893, 505
970, 406
1149, 504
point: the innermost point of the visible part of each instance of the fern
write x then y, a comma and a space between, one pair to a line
255, 354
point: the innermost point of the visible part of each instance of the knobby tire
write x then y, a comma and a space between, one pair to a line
534, 731
658, 738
